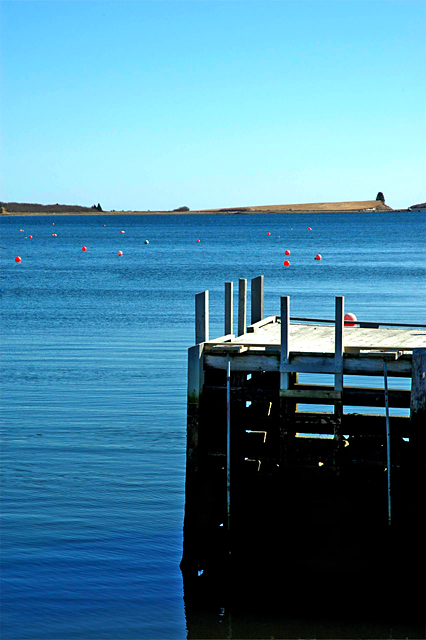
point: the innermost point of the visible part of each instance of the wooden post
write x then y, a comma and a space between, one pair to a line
418, 390
338, 375
229, 307
189, 562
285, 341
257, 288
388, 456
242, 306
418, 409
287, 406
228, 446
202, 317
338, 343
417, 437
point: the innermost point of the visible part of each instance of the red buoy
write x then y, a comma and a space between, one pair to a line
18, 259
286, 263
268, 234
198, 240
20, 229
309, 228
286, 252
318, 256
84, 248
122, 231
120, 253
30, 237
55, 235
352, 317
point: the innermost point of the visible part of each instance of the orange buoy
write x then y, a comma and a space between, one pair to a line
352, 318
53, 223
286, 263
309, 228
318, 256
84, 248
287, 252
18, 259
120, 253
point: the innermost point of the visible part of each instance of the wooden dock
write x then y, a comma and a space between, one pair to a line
329, 491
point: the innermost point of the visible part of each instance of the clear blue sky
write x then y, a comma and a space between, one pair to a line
153, 104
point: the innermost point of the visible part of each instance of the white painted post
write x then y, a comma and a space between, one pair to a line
257, 288
229, 307
242, 306
202, 317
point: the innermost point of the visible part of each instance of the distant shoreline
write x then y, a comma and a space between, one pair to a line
363, 206
189, 213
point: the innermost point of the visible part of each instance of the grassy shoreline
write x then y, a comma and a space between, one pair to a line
369, 206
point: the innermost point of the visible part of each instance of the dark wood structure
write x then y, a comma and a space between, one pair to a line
325, 499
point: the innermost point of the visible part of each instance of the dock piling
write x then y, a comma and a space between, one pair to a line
229, 307
257, 296
242, 306
202, 317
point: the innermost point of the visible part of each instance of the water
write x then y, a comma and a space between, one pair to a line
93, 385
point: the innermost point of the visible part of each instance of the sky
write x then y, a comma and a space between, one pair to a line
158, 104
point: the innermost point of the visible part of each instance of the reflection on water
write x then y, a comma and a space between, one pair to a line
93, 381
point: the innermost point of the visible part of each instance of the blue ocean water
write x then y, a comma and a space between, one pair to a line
93, 385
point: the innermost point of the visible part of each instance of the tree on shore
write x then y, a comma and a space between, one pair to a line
380, 197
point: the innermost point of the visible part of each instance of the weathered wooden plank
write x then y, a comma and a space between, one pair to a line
353, 424
312, 395
252, 328
269, 360
320, 339
318, 394
227, 338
